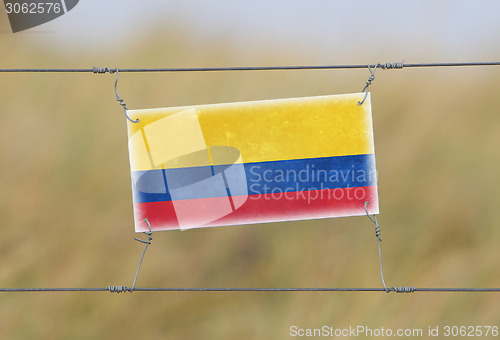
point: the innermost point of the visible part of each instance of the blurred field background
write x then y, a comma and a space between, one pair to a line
66, 209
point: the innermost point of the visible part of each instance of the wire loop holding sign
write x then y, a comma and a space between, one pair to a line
123, 289
368, 83
102, 70
385, 66
118, 99
147, 242
377, 234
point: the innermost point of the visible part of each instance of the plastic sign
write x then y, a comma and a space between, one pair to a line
252, 162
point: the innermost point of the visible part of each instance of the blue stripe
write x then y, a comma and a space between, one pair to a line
254, 178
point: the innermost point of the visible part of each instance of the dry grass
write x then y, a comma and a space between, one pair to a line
65, 206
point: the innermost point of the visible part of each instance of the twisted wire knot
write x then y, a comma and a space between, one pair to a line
378, 232
374, 220
117, 289
103, 70
403, 289
392, 66
147, 233
369, 81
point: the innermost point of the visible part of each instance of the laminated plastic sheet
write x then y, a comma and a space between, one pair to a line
252, 162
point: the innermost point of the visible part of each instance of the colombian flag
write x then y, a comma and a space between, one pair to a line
252, 162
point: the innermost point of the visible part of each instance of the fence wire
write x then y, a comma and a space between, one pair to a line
121, 289
398, 65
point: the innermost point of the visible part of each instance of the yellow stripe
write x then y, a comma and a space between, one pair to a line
269, 130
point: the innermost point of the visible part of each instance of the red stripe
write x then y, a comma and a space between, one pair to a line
262, 208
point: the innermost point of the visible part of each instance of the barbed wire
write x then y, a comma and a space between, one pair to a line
398, 65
